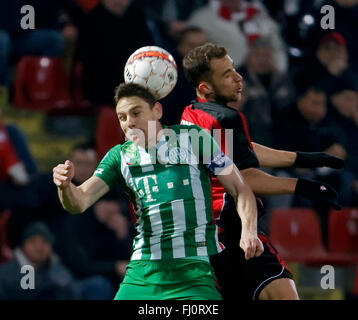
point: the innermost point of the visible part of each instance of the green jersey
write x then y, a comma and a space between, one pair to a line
169, 187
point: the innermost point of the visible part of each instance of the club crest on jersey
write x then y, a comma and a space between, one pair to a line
132, 154
177, 155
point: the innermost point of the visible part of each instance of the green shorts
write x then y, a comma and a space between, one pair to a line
180, 279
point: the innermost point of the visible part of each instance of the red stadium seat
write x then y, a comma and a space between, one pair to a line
41, 83
296, 234
77, 86
108, 133
343, 236
343, 231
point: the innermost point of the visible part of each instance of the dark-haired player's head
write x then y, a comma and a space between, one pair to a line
125, 90
212, 73
137, 109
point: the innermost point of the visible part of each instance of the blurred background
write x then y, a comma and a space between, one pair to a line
57, 85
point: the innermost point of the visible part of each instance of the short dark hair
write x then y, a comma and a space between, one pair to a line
134, 90
197, 62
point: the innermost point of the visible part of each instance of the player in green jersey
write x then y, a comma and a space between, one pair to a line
165, 172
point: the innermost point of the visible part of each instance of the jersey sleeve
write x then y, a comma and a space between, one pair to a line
211, 154
109, 168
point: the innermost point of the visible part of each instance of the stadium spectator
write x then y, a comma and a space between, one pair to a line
49, 210
17, 168
45, 205
329, 63
52, 281
235, 23
87, 5
98, 242
174, 13
345, 23
104, 56
343, 102
308, 116
187, 39
47, 38
268, 90
11, 167
305, 126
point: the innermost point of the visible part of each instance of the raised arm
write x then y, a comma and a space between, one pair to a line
77, 199
263, 184
272, 158
245, 200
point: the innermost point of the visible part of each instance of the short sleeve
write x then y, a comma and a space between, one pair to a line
109, 169
210, 152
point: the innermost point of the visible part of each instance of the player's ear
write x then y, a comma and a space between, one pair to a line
205, 88
158, 110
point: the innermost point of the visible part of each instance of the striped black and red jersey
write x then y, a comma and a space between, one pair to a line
229, 128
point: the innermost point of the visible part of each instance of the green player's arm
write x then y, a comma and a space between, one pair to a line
264, 184
235, 185
78, 199
273, 158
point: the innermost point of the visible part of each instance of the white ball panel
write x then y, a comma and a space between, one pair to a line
142, 68
159, 66
155, 82
164, 91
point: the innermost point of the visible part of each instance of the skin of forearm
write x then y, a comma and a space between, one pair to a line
246, 207
272, 158
70, 198
263, 184
245, 201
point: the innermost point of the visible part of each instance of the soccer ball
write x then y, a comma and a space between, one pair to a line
153, 68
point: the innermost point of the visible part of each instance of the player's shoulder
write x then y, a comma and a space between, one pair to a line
115, 152
180, 128
217, 110
118, 148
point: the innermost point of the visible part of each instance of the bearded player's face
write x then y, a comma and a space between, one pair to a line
225, 81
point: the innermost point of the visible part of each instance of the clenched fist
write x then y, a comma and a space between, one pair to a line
63, 174
251, 245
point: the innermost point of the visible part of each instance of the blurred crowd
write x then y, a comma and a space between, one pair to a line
300, 94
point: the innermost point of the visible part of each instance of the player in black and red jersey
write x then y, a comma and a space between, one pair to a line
211, 71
